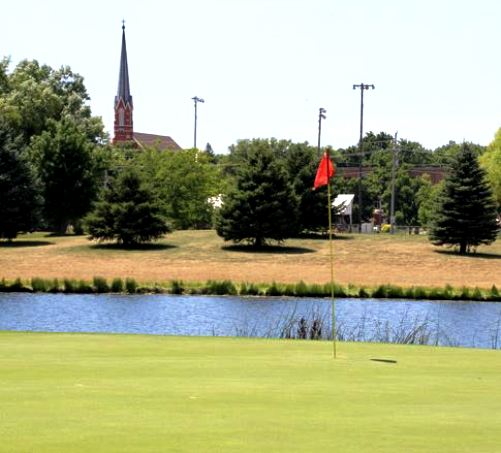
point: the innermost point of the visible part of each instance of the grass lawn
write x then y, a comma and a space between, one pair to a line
367, 260
126, 393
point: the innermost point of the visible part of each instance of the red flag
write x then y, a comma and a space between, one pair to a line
325, 171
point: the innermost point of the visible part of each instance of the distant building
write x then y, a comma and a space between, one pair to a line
124, 109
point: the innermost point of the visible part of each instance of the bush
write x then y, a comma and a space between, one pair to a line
18, 287
177, 287
222, 288
248, 289
69, 286
273, 290
130, 285
117, 285
39, 285
54, 286
83, 287
100, 285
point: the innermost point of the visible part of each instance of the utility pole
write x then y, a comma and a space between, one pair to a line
363, 87
393, 169
196, 100
321, 116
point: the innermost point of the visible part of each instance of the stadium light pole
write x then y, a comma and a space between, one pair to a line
196, 100
363, 87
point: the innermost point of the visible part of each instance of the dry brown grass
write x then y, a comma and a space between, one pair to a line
201, 255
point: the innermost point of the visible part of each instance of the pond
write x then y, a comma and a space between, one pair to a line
467, 324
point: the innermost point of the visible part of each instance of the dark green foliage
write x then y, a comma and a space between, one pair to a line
117, 285
64, 158
183, 182
465, 215
20, 199
225, 287
129, 212
274, 290
83, 287
130, 285
262, 206
39, 285
54, 286
177, 287
302, 163
69, 286
249, 289
18, 287
100, 285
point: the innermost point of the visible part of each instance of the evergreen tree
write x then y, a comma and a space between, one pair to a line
302, 163
129, 213
19, 195
466, 211
263, 205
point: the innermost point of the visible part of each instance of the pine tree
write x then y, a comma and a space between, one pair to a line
19, 195
262, 206
129, 213
466, 210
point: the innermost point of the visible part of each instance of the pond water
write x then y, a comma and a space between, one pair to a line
468, 324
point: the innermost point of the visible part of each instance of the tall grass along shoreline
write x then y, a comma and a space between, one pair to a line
100, 285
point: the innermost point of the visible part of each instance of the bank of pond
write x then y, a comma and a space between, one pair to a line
101, 285
440, 323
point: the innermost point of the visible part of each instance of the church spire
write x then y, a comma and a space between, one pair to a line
123, 126
123, 76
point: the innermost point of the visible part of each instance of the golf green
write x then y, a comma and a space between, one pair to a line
135, 393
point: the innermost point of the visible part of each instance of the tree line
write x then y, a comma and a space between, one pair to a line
58, 172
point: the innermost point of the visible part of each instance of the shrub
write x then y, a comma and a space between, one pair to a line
100, 285
225, 287
17, 286
362, 292
69, 286
117, 285
83, 287
54, 286
419, 293
273, 290
249, 289
177, 287
477, 294
494, 293
130, 285
39, 285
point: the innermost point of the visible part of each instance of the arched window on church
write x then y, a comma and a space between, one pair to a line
121, 118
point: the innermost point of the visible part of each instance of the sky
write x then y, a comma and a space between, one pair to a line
265, 67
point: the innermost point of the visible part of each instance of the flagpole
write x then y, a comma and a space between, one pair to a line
331, 253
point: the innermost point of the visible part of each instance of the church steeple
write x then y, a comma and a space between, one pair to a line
123, 126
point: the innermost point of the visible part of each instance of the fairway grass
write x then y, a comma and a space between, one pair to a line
133, 393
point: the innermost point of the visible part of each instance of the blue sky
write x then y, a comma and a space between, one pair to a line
264, 67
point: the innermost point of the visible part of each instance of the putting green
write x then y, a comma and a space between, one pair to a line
134, 393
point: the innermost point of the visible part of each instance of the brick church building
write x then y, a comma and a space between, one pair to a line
124, 108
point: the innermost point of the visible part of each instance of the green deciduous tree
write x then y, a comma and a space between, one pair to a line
68, 169
491, 162
262, 206
19, 193
129, 212
183, 181
33, 95
466, 210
